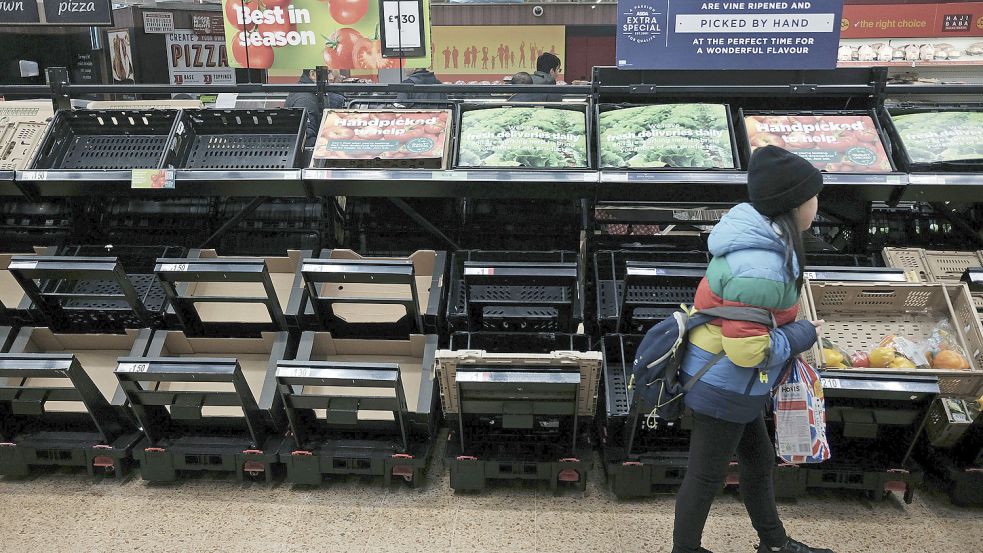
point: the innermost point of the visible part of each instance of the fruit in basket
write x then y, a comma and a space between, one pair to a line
834, 359
881, 357
860, 359
901, 362
949, 359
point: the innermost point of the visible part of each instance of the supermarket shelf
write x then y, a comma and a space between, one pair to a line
7, 185
58, 183
472, 183
913, 64
728, 185
928, 187
277, 183
857, 384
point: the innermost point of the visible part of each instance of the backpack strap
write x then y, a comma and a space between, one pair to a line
749, 314
703, 370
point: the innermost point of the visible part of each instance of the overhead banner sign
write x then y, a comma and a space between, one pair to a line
302, 34
20, 12
56, 12
194, 58
678, 34
959, 19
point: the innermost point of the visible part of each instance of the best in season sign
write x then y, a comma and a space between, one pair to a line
384, 135
523, 137
302, 34
833, 143
676, 34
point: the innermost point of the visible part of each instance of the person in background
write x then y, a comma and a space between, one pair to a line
420, 76
547, 69
525, 78
758, 261
308, 100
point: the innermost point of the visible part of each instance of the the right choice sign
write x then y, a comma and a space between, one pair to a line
677, 34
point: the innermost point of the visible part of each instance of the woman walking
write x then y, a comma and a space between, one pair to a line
758, 261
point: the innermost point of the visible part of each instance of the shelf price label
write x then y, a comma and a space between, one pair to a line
34, 175
401, 24
152, 178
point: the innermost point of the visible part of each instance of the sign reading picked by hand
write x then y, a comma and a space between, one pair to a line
677, 34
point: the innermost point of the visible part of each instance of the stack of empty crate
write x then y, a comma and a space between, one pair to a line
518, 383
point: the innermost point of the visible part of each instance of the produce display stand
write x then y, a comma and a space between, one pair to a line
204, 393
239, 152
515, 291
212, 152
82, 150
359, 407
765, 90
60, 405
94, 288
518, 416
519, 371
351, 295
22, 125
939, 181
221, 387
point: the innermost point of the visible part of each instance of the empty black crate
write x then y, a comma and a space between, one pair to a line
239, 139
106, 139
658, 282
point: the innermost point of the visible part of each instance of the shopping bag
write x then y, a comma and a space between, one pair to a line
800, 416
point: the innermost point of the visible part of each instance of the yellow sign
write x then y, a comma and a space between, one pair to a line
493, 52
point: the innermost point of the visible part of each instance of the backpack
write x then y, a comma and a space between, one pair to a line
654, 383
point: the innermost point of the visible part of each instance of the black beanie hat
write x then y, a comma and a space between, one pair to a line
779, 181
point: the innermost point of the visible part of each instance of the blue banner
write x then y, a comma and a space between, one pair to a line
687, 34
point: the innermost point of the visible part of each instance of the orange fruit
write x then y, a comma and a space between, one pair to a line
949, 359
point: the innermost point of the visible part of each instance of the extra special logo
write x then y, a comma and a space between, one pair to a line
642, 23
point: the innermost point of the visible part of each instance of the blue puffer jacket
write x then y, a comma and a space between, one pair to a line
748, 269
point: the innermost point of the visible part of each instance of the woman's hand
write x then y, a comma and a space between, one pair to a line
819, 325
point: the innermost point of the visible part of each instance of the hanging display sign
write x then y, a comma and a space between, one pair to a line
301, 34
158, 22
676, 34
20, 11
913, 20
198, 59
943, 136
385, 135
834, 143
523, 137
671, 135
56, 12
401, 26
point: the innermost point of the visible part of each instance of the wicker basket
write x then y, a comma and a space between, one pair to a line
933, 265
859, 315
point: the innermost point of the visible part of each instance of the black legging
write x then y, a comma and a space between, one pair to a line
711, 448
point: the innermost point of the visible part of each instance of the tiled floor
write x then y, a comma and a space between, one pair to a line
66, 512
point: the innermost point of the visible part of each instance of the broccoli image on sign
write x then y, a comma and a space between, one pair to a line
673, 135
523, 137
942, 136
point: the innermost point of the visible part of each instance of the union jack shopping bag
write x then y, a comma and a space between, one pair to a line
800, 416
